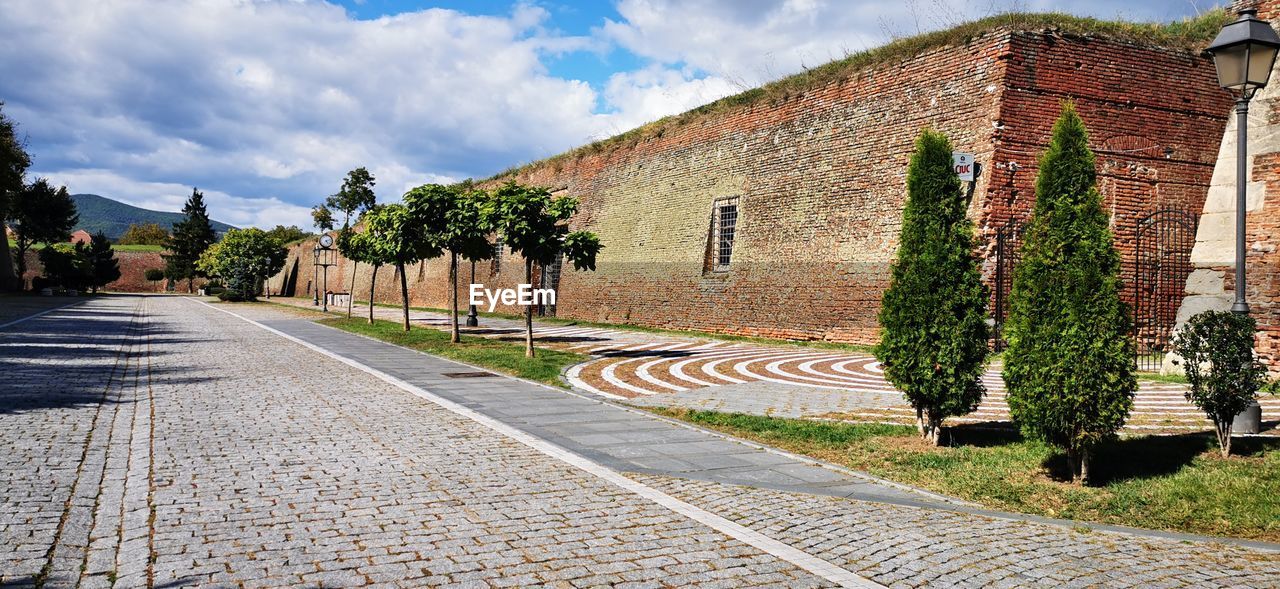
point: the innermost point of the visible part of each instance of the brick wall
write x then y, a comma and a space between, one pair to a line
820, 177
133, 267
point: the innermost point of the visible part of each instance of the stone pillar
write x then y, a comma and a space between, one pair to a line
1211, 284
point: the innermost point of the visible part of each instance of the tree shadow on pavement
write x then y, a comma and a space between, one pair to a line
54, 365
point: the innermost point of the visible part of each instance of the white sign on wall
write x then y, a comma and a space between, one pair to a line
964, 165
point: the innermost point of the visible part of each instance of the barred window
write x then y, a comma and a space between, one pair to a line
724, 223
497, 256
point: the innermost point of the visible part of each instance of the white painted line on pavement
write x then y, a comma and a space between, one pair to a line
795, 556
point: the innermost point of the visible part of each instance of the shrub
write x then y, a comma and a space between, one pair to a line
1216, 348
1069, 365
154, 274
934, 339
231, 296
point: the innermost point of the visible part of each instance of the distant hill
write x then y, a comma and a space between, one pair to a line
112, 217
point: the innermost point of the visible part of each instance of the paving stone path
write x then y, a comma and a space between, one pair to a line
159, 441
662, 370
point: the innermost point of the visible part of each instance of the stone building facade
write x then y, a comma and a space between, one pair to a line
810, 177
1211, 285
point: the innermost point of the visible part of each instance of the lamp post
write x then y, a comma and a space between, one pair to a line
1243, 53
323, 253
473, 317
315, 275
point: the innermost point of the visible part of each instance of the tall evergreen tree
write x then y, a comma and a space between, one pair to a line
41, 214
191, 236
933, 342
103, 266
14, 162
1069, 365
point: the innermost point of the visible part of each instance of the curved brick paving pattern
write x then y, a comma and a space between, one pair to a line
157, 442
693, 374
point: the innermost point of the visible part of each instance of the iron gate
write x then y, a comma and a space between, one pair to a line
1162, 260
550, 278
1008, 253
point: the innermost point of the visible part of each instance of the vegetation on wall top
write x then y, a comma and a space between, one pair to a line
1190, 35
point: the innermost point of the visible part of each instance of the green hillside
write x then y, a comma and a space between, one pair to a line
112, 217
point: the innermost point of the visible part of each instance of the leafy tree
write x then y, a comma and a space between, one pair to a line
191, 237
41, 214
322, 217
287, 235
453, 219
244, 257
534, 224
1069, 364
153, 275
14, 162
399, 236
362, 247
354, 198
65, 264
1216, 349
103, 266
144, 234
934, 339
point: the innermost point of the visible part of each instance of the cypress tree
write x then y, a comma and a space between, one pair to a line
1069, 365
103, 266
933, 342
191, 236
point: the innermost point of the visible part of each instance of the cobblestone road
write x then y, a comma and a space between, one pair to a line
154, 441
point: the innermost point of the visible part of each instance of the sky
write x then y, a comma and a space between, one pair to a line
266, 104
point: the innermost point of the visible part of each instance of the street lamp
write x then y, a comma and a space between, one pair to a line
315, 276
323, 256
473, 318
1243, 52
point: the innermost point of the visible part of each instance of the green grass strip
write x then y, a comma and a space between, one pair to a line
500, 355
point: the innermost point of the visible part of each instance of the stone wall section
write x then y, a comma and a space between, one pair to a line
820, 177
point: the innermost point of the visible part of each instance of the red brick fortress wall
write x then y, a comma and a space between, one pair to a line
133, 268
1155, 120
819, 175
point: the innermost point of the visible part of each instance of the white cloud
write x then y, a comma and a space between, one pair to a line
160, 196
750, 42
265, 104
275, 101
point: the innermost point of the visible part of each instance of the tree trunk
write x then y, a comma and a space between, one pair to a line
191, 285
404, 294
351, 292
1071, 464
373, 281
1084, 466
528, 311
22, 268
1224, 436
7, 280
453, 297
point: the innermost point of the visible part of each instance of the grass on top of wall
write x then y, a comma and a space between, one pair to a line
502, 356
13, 246
1189, 35
1176, 483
